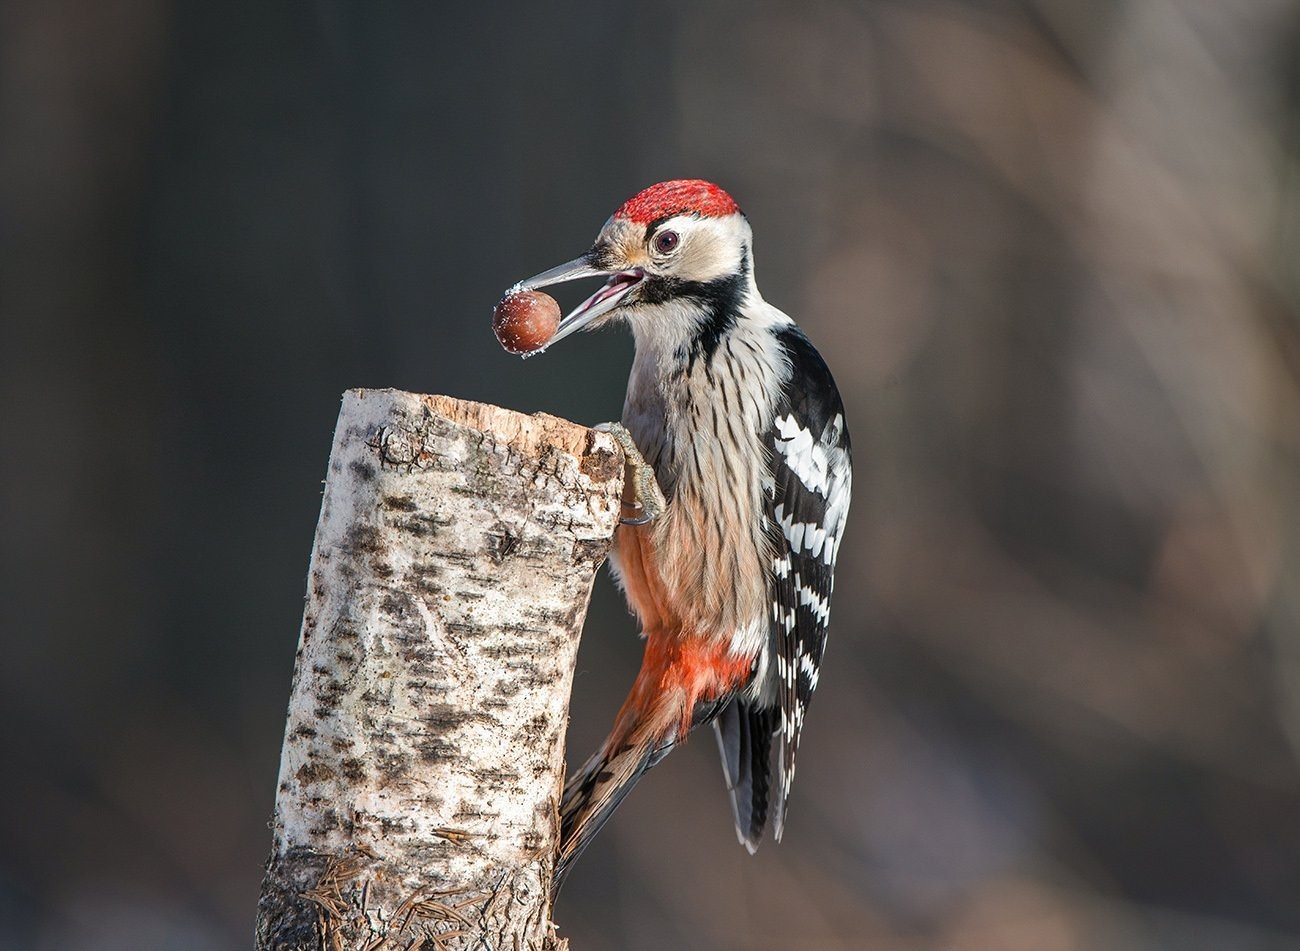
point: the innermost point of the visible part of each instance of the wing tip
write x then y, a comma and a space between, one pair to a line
751, 843
744, 735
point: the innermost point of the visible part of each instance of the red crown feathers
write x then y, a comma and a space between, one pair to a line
680, 197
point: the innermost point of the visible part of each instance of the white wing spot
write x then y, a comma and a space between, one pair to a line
837, 506
821, 608
808, 667
802, 535
805, 456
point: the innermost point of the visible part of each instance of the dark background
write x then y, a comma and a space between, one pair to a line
1049, 250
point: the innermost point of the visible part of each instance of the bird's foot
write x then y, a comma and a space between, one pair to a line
641, 491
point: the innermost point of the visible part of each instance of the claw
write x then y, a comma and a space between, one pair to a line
639, 478
644, 520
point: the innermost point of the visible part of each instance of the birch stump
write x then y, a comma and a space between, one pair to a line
423, 753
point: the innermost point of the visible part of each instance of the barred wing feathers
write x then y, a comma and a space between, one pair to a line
807, 504
812, 480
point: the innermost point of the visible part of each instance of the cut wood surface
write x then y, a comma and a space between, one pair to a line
423, 752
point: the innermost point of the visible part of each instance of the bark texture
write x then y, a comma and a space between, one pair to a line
423, 753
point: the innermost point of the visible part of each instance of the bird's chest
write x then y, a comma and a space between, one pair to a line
660, 420
703, 561
699, 423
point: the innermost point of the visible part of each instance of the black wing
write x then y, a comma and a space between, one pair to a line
807, 504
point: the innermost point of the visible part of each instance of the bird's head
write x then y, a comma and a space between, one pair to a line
674, 256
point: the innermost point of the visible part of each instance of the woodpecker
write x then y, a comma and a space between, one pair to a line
738, 488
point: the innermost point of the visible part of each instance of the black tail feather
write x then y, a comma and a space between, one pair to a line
745, 734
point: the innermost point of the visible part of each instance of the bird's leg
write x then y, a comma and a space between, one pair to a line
639, 479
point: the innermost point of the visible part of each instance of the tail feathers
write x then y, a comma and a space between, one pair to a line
745, 733
595, 791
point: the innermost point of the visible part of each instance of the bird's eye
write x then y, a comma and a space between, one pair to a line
666, 241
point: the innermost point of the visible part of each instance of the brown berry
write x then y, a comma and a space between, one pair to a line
525, 321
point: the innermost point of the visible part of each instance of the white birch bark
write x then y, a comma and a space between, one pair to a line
423, 753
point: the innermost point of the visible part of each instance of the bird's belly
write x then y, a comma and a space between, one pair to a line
685, 580
633, 559
684, 664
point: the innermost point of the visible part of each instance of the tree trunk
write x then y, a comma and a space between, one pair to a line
424, 750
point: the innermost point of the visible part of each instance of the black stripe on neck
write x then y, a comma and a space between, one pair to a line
719, 300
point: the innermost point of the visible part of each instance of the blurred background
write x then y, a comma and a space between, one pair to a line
1049, 248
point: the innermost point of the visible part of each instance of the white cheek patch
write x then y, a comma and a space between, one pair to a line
706, 249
